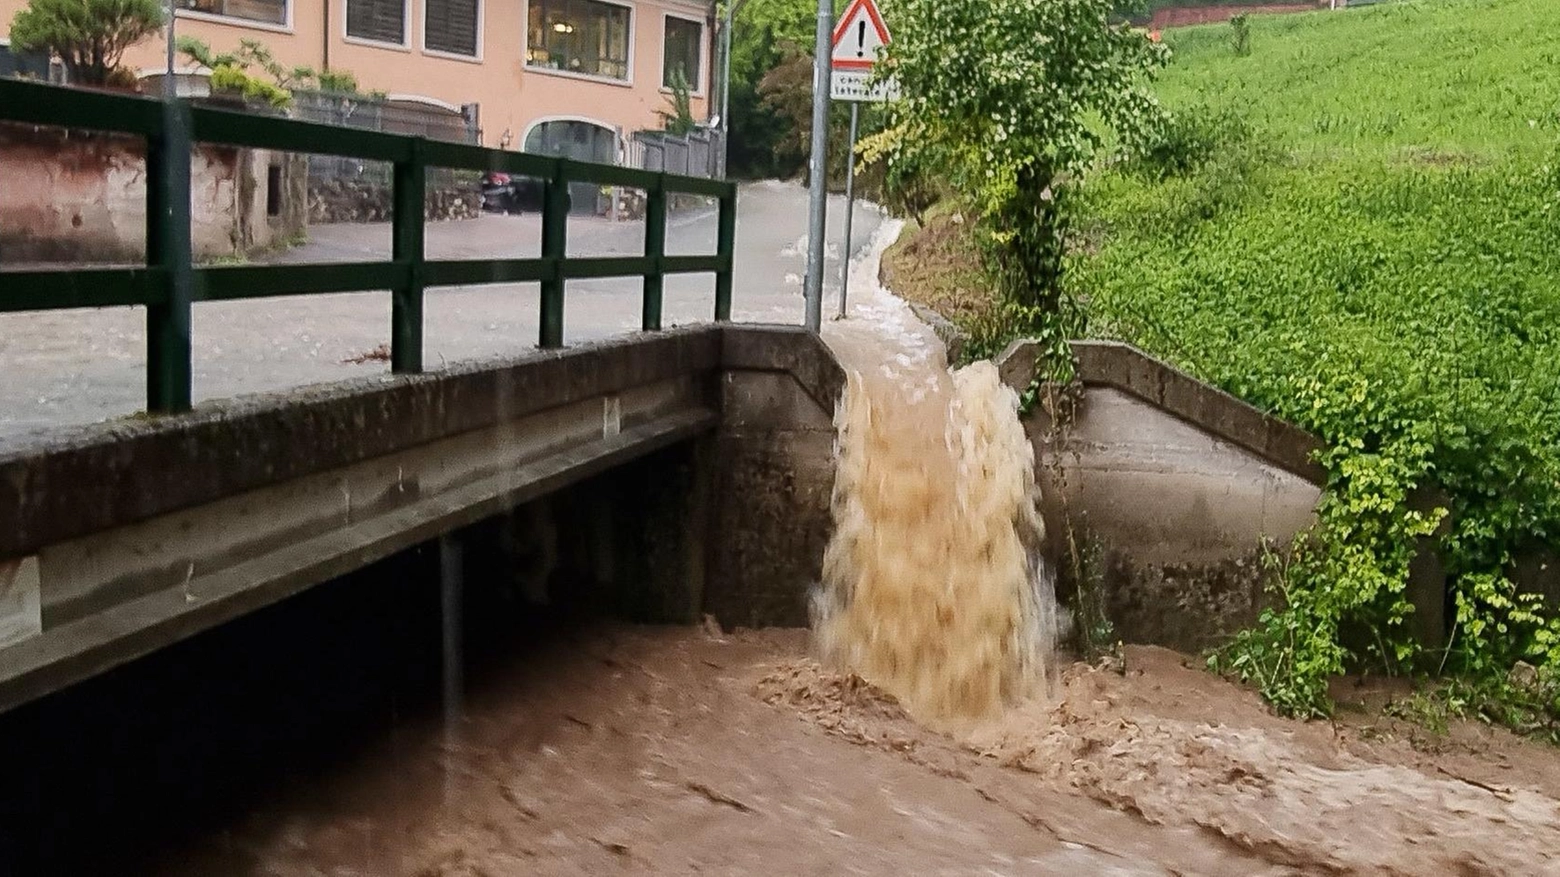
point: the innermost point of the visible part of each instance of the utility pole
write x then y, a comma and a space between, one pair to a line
170, 91
725, 83
817, 213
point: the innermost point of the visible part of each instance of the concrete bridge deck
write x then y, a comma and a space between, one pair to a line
119, 539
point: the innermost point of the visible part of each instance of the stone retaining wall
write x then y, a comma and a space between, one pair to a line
367, 201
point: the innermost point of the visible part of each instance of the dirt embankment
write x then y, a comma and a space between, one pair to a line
1182, 16
936, 265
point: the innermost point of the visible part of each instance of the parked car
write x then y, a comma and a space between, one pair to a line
503, 193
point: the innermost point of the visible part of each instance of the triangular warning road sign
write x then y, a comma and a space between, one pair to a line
859, 36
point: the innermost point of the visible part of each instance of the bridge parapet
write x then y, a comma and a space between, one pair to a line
169, 283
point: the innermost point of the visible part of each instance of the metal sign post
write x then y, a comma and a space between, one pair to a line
818, 168
850, 204
861, 35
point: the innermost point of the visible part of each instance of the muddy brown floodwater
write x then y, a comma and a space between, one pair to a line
600, 748
609, 748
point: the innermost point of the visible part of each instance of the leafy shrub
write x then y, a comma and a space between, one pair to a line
234, 79
677, 119
1007, 147
231, 72
1191, 138
337, 81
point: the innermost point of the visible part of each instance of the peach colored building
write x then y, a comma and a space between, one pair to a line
570, 76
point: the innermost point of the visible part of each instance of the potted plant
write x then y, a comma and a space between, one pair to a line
89, 36
230, 79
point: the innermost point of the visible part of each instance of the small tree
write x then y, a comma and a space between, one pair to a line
1241, 26
786, 92
678, 120
89, 36
1007, 99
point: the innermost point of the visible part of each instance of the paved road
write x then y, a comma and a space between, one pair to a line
80, 366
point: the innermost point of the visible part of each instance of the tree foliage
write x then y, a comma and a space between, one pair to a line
1023, 99
89, 36
786, 92
763, 32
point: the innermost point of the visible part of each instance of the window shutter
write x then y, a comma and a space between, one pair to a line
381, 20
451, 26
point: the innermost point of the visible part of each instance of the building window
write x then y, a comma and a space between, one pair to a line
263, 11
682, 52
382, 21
451, 26
579, 36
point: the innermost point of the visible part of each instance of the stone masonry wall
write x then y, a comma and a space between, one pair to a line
72, 196
368, 201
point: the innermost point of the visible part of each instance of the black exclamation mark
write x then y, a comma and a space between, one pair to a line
861, 39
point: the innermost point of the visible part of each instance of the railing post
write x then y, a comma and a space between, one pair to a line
725, 246
555, 230
655, 249
168, 248
406, 247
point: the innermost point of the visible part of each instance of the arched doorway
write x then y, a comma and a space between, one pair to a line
578, 139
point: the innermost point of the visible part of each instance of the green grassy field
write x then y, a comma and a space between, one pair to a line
1475, 78
1379, 261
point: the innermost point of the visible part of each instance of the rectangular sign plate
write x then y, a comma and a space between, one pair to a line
851, 85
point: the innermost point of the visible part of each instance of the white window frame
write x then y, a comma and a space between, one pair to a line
405, 45
236, 21
456, 56
633, 43
704, 61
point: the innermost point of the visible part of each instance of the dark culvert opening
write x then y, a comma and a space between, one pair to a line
165, 754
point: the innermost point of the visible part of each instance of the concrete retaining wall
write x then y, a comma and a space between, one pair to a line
774, 471
665, 475
1175, 484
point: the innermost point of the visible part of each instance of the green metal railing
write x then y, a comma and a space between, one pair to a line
169, 284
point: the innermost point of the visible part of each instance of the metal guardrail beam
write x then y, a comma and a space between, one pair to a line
168, 285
